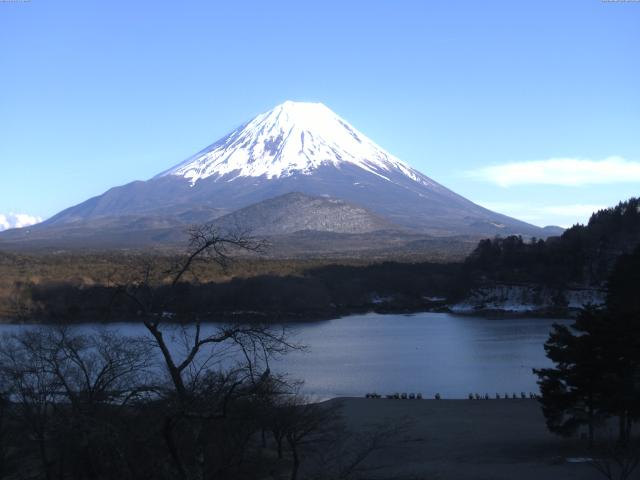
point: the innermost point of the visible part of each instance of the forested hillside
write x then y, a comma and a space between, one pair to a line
584, 254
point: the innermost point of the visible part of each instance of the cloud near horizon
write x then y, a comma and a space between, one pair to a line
17, 220
561, 215
571, 172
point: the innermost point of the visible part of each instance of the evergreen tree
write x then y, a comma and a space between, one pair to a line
597, 361
623, 305
573, 391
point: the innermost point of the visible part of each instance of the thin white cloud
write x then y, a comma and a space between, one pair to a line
562, 215
17, 220
561, 171
577, 210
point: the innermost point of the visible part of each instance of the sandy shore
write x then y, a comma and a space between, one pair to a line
469, 439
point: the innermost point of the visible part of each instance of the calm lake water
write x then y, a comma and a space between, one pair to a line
426, 352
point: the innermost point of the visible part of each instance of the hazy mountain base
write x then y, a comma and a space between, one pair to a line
134, 236
295, 226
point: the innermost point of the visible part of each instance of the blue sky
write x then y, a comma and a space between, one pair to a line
529, 108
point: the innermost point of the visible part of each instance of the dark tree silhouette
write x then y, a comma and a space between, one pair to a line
572, 393
584, 254
597, 361
197, 396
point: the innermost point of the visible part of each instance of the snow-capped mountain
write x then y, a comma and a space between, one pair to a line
295, 147
293, 138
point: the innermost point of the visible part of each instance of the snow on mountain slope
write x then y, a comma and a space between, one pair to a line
292, 138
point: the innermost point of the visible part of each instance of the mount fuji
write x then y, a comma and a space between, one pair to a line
293, 138
296, 147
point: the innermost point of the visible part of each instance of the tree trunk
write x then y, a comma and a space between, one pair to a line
201, 447
167, 433
62, 465
296, 459
174, 372
279, 442
624, 428
43, 457
278, 438
591, 424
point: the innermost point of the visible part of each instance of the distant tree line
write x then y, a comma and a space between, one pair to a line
321, 292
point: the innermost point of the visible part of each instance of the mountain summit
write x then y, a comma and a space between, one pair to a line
295, 147
292, 138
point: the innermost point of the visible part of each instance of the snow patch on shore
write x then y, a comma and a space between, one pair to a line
527, 298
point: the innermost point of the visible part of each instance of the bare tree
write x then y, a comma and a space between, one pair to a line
4, 444
65, 388
96, 369
188, 400
197, 392
320, 445
34, 390
257, 343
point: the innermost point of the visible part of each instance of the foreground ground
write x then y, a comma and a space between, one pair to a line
469, 439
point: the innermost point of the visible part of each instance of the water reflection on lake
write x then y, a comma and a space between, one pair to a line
426, 352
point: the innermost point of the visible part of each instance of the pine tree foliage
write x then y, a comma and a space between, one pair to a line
597, 361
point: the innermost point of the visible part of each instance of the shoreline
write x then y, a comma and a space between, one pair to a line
259, 317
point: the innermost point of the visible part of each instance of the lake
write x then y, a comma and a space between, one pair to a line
426, 352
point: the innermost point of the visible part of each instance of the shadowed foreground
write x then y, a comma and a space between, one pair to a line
468, 439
